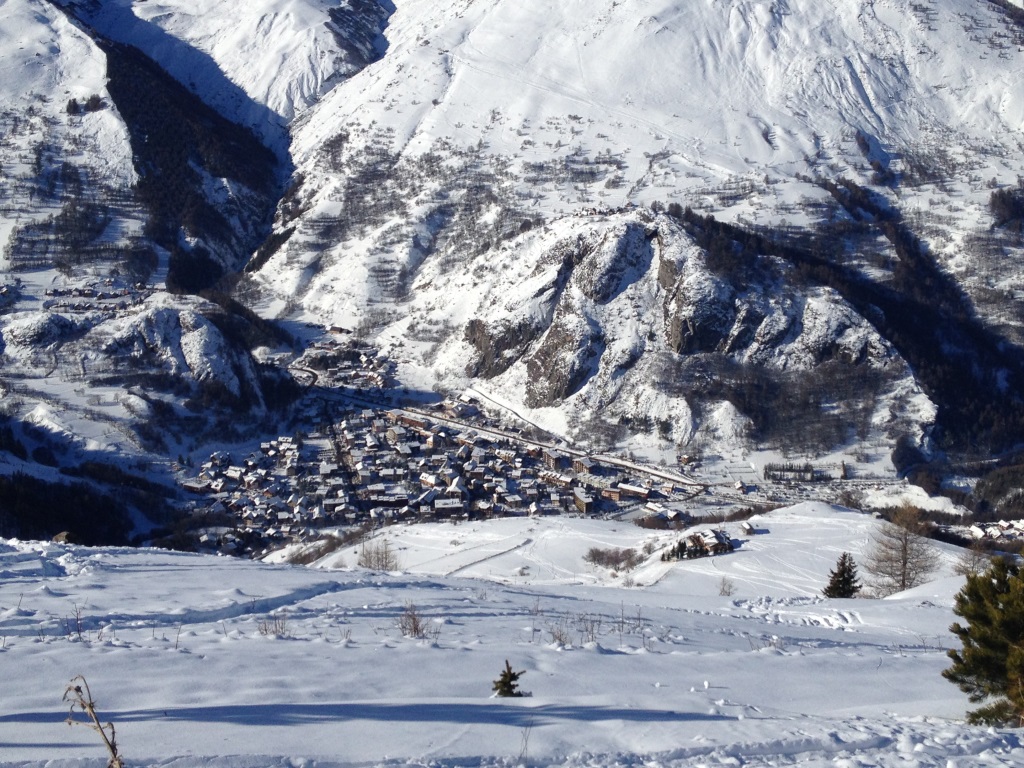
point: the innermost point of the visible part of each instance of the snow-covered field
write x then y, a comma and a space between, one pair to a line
220, 662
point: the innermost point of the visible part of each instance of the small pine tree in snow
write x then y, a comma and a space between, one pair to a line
842, 581
507, 682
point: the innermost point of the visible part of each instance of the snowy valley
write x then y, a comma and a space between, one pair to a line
476, 286
633, 270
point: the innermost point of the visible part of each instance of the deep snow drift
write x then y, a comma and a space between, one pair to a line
213, 661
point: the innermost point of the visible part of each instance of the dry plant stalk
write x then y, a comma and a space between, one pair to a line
80, 697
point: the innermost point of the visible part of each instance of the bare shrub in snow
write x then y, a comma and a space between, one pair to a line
274, 626
973, 561
559, 630
589, 626
411, 623
80, 698
901, 557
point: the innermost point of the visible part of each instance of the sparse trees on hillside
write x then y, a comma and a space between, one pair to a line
974, 560
901, 557
843, 580
1007, 207
378, 556
616, 559
990, 666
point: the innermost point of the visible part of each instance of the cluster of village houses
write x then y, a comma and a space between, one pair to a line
1007, 530
380, 467
704, 543
89, 299
341, 361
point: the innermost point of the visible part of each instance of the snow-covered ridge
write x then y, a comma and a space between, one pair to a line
476, 186
260, 63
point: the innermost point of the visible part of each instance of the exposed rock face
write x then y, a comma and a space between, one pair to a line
621, 256
569, 355
490, 212
187, 345
357, 26
613, 317
41, 331
701, 315
497, 346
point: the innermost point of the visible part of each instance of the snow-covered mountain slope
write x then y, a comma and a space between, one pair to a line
219, 662
45, 63
117, 184
514, 197
456, 197
259, 64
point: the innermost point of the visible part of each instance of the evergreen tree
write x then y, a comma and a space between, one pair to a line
842, 581
990, 667
506, 684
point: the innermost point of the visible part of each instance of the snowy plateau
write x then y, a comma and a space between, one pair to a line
689, 239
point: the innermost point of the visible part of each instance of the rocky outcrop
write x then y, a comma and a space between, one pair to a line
701, 315
568, 356
614, 314
498, 345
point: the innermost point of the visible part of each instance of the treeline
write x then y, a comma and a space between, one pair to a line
1007, 207
172, 134
74, 235
274, 242
1014, 13
242, 326
613, 558
113, 475
816, 409
39, 509
31, 508
1000, 494
9, 442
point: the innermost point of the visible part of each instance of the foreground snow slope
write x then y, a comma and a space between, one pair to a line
211, 661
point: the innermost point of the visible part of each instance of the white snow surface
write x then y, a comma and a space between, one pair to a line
181, 654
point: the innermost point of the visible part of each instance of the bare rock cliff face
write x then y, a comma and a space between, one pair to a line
625, 312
